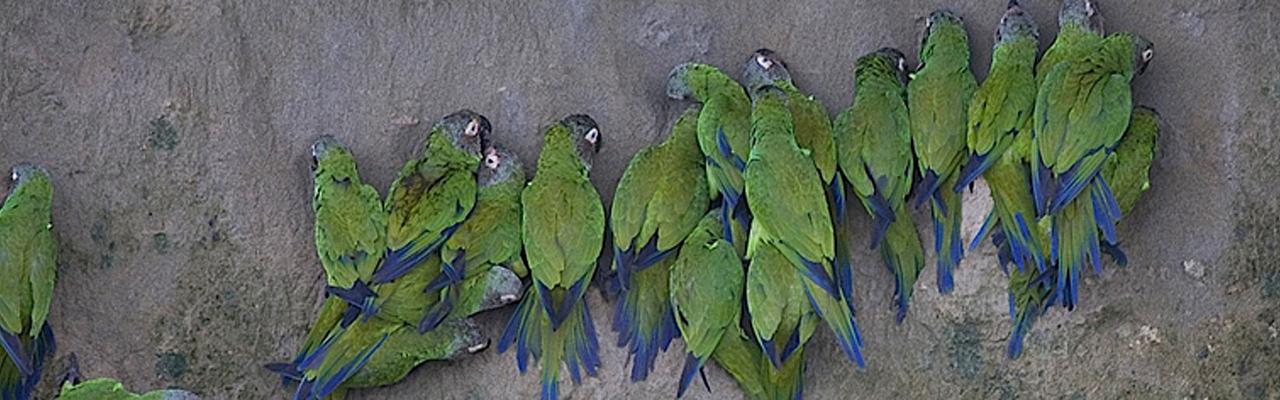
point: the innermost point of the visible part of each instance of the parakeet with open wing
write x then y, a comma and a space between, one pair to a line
789, 208
427, 202
724, 133
1081, 112
658, 201
563, 230
813, 134
489, 237
28, 263
938, 97
350, 233
873, 148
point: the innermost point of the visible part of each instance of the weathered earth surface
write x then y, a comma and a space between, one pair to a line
177, 133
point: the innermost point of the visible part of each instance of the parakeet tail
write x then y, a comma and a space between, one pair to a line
743, 361
644, 320
578, 349
947, 216
904, 256
786, 382
844, 255
840, 319
326, 381
692, 365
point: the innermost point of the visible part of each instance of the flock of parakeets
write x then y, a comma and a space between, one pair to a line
732, 234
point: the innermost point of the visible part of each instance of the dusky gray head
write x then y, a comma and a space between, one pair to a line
330, 156
467, 130
1016, 23
499, 165
896, 60
1084, 13
764, 68
1143, 52
586, 136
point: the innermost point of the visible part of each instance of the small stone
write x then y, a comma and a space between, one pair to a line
1193, 267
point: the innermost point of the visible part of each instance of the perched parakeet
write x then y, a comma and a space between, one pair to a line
938, 97
813, 134
109, 389
350, 232
428, 201
658, 201
790, 216
707, 284
563, 230
1082, 110
1127, 173
28, 261
1079, 33
489, 237
724, 133
873, 145
383, 349
999, 116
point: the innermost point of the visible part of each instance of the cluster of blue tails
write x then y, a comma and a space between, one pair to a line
553, 334
23, 365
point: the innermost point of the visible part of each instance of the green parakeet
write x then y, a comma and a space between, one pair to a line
938, 97
658, 201
109, 389
790, 215
707, 284
563, 231
428, 200
873, 145
1127, 172
489, 237
350, 233
724, 133
1081, 112
813, 134
999, 115
28, 263
1079, 33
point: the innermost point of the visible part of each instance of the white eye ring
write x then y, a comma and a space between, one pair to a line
1148, 54
593, 135
15, 175
902, 64
492, 161
473, 128
763, 62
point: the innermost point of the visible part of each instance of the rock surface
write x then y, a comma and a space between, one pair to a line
177, 132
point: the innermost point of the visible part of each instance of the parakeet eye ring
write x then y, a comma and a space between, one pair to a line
492, 161
902, 64
1148, 54
763, 62
593, 135
473, 128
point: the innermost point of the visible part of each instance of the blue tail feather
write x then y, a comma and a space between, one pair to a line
360, 298
17, 354
849, 341
1020, 329
793, 344
1116, 253
1042, 185
399, 261
325, 386
926, 188
438, 312
691, 366
726, 151
972, 169
650, 255
982, 231
817, 273
643, 338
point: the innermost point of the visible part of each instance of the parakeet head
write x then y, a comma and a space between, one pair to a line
1081, 13
1016, 23
585, 134
1143, 52
764, 68
499, 165
884, 60
467, 130
768, 93
938, 21
677, 86
330, 157
30, 180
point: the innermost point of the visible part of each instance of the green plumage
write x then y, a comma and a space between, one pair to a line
706, 283
724, 128
1079, 33
1128, 169
873, 139
111, 389
490, 236
938, 97
434, 193
788, 202
562, 230
658, 201
28, 263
